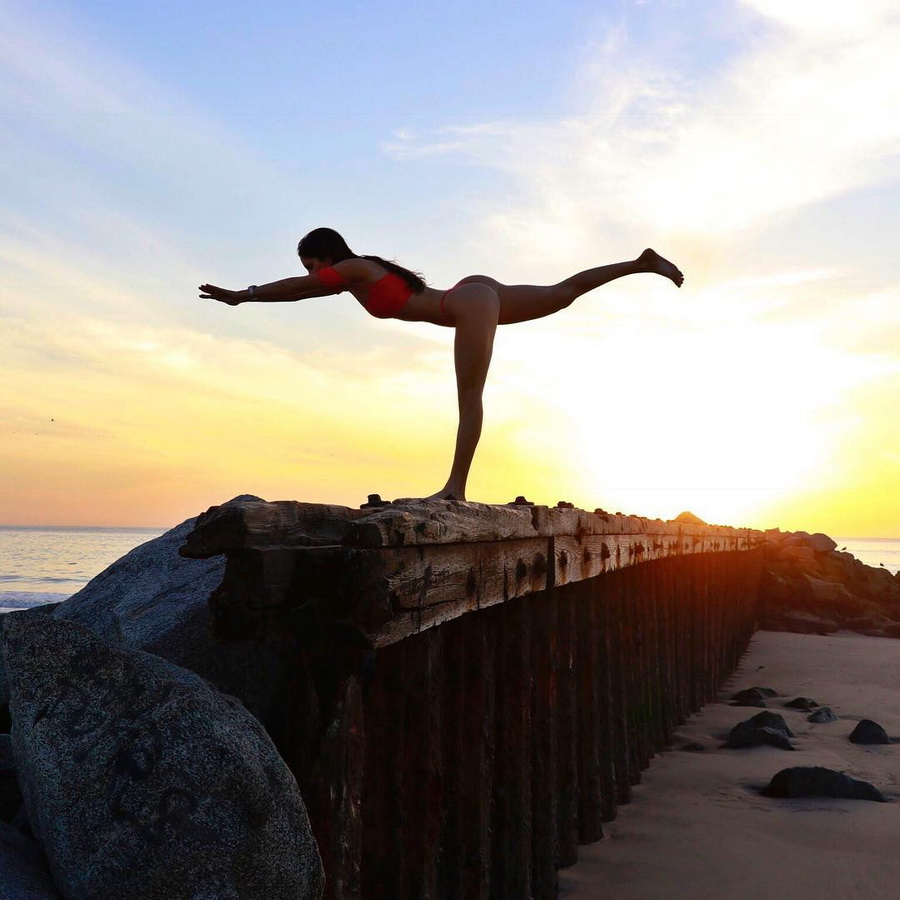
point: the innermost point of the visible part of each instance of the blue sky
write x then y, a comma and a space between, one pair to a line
149, 148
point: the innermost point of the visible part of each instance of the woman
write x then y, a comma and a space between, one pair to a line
474, 307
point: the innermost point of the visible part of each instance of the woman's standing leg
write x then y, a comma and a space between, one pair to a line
475, 309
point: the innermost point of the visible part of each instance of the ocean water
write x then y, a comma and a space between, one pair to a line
48, 564
873, 551
45, 565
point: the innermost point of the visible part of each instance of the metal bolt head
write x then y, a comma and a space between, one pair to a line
521, 501
375, 501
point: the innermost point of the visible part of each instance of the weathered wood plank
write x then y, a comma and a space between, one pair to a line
567, 728
619, 662
453, 711
383, 852
403, 569
440, 522
421, 764
589, 712
480, 686
545, 747
606, 708
334, 795
243, 524
511, 820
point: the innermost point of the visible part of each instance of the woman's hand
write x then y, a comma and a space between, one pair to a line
232, 298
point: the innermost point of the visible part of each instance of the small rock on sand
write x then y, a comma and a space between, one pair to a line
755, 696
822, 714
761, 729
801, 703
869, 732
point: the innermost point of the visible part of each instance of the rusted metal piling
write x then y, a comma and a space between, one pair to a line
476, 688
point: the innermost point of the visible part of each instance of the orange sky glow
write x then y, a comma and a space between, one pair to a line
763, 393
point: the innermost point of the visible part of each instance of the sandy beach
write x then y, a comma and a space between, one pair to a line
698, 826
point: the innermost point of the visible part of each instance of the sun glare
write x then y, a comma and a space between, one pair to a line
702, 406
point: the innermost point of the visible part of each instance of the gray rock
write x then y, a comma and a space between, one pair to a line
143, 781
822, 714
816, 781
10, 795
821, 543
755, 696
24, 874
770, 719
869, 732
801, 622
763, 692
832, 596
746, 735
803, 703
152, 599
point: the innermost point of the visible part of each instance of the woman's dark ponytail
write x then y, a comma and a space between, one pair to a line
326, 243
414, 280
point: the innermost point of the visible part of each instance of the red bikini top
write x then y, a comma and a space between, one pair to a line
387, 296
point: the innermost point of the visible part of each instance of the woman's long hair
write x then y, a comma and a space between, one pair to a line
326, 243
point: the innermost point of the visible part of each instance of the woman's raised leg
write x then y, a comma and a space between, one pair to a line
475, 309
523, 302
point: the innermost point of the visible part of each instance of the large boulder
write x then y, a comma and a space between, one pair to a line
817, 781
10, 795
24, 874
143, 781
829, 595
810, 586
821, 543
152, 599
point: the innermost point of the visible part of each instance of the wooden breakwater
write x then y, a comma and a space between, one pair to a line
476, 688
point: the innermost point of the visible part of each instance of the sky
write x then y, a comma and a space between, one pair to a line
149, 148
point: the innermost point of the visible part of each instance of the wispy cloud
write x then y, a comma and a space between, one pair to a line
805, 113
116, 183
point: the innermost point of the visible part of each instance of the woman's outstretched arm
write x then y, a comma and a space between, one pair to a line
286, 290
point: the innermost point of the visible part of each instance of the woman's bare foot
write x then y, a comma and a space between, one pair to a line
445, 495
651, 261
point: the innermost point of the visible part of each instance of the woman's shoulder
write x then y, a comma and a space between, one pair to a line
357, 269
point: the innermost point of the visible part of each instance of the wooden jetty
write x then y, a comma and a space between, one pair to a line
476, 688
